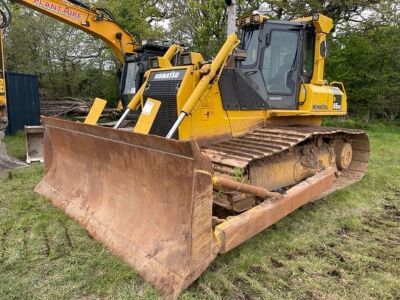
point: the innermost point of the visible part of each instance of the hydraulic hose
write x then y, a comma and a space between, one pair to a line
107, 13
80, 3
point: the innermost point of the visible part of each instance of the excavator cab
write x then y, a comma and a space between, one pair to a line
136, 64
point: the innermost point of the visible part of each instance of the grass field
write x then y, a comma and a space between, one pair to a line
344, 246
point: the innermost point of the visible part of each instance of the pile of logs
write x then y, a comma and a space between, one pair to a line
71, 107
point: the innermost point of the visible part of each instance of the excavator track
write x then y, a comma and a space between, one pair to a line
276, 144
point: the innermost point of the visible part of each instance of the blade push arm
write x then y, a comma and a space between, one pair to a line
207, 80
89, 19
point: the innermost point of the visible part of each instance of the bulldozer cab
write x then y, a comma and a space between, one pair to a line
279, 58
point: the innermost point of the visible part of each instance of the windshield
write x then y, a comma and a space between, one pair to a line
130, 79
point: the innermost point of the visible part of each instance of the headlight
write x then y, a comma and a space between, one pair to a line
257, 18
186, 59
153, 63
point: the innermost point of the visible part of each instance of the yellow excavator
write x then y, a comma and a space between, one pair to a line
222, 150
99, 23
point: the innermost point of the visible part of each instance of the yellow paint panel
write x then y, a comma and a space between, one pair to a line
120, 106
147, 117
164, 63
95, 112
2, 89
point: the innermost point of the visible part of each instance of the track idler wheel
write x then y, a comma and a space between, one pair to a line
344, 155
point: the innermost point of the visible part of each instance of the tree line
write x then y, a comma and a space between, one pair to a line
364, 46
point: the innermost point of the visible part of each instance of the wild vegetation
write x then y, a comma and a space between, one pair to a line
344, 246
365, 45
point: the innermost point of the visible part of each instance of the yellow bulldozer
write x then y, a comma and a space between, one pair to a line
222, 150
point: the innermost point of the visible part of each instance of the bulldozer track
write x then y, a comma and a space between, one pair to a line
241, 152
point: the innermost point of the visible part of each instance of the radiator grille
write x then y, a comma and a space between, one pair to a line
164, 91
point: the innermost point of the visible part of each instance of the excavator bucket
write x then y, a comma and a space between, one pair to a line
7, 162
147, 198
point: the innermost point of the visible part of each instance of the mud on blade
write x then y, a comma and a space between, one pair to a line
147, 198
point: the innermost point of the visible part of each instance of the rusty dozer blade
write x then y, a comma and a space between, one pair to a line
150, 199
147, 198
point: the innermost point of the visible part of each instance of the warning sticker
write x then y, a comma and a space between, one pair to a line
147, 108
337, 102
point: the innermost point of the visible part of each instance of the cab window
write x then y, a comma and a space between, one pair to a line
308, 60
279, 60
130, 79
250, 43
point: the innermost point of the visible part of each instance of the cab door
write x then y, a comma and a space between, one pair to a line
280, 64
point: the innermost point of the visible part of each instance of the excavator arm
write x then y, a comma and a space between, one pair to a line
96, 21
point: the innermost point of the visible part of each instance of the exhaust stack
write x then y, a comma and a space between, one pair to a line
231, 11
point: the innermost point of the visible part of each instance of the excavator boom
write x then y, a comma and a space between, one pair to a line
96, 22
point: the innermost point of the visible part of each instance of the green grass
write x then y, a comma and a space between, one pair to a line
16, 145
344, 246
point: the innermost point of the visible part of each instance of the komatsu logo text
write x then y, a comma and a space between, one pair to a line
170, 75
167, 75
